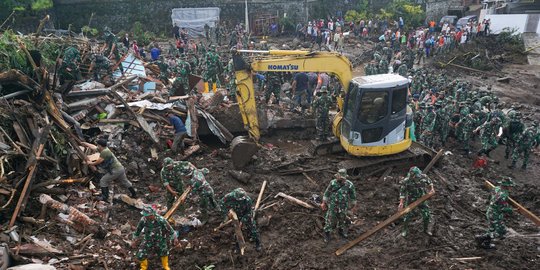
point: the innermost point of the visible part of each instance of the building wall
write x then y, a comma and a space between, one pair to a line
436, 9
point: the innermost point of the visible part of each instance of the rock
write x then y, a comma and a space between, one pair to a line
241, 176
307, 45
296, 42
285, 47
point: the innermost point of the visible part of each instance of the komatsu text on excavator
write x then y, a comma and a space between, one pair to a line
373, 118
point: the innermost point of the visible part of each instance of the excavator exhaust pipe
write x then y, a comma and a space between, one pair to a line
243, 148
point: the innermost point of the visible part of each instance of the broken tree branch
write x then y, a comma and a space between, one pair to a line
177, 203
238, 231
294, 200
32, 164
383, 224
260, 195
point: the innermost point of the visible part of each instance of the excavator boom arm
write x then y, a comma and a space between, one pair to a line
292, 61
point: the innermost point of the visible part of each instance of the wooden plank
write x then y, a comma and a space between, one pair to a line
177, 203
39, 144
386, 173
20, 133
383, 224
433, 161
294, 200
522, 210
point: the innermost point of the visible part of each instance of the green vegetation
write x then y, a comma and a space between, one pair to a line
89, 31
26, 5
12, 57
412, 13
142, 37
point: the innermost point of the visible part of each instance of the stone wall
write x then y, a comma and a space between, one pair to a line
436, 9
156, 15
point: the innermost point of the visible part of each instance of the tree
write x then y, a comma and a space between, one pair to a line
412, 14
26, 5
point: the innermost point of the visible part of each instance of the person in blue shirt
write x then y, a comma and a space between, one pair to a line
180, 131
155, 52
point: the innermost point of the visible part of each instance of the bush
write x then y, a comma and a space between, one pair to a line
142, 37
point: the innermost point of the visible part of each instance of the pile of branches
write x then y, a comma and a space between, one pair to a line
487, 53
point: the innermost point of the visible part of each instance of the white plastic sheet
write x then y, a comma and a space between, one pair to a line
194, 19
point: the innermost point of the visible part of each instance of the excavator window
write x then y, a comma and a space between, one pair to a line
399, 100
350, 105
374, 107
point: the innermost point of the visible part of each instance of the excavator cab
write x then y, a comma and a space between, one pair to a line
375, 120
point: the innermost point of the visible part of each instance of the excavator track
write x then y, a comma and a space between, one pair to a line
416, 155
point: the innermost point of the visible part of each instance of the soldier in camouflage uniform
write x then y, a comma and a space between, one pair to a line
417, 118
412, 188
488, 137
402, 70
498, 206
321, 106
523, 147
466, 126
512, 132
164, 70
232, 79
101, 63
383, 66
213, 66
339, 197
69, 69
111, 47
172, 175
182, 70
242, 205
202, 189
157, 236
428, 126
273, 86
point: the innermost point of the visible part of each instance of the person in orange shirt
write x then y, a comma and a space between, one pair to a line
431, 26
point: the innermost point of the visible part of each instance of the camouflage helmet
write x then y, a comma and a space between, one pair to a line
439, 103
342, 173
167, 161
149, 210
324, 89
415, 171
506, 182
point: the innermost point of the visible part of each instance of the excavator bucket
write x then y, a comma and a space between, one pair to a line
243, 148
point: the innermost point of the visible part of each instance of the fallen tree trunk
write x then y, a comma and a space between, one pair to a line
75, 215
383, 224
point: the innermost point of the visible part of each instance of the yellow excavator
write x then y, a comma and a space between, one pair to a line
373, 118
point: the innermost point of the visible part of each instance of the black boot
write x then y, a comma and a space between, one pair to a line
326, 237
258, 246
512, 166
104, 194
343, 233
484, 241
133, 193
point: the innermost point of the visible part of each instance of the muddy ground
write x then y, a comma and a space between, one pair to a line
292, 235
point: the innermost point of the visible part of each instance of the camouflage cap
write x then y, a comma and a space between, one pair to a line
324, 89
